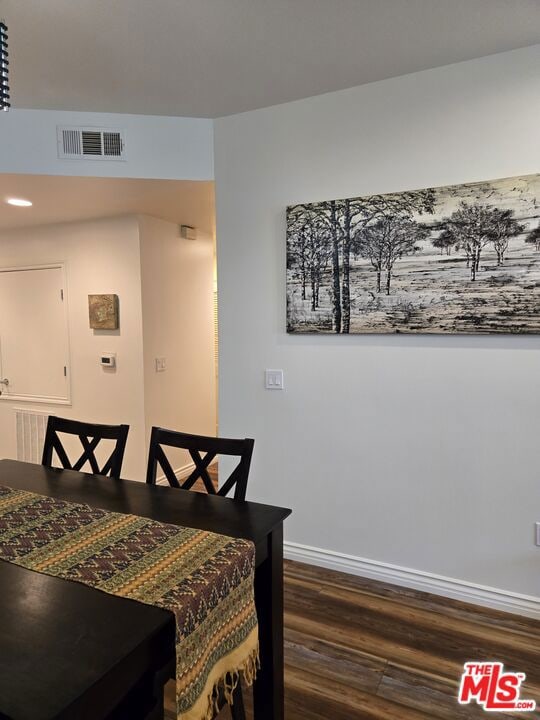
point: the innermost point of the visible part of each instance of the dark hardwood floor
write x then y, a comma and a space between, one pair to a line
357, 649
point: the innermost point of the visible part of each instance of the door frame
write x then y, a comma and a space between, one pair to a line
6, 396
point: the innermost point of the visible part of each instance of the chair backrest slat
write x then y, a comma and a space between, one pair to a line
89, 435
203, 451
163, 460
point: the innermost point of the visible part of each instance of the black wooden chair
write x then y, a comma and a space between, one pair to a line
195, 445
211, 447
90, 435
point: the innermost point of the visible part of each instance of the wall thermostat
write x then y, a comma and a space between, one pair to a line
107, 360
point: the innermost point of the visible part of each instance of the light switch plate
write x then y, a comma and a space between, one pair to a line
273, 379
161, 364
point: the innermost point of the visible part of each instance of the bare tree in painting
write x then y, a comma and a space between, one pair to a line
297, 226
503, 227
386, 241
336, 237
308, 249
323, 219
403, 235
318, 255
347, 211
444, 241
358, 213
370, 244
534, 238
339, 222
472, 226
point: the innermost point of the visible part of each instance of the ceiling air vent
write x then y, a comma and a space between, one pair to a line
4, 68
91, 143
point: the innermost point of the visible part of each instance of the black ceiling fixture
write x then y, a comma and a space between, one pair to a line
4, 68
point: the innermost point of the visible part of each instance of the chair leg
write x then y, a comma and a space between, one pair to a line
237, 708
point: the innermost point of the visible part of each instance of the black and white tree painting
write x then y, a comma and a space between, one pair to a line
457, 259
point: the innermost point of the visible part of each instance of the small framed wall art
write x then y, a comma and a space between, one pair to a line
103, 311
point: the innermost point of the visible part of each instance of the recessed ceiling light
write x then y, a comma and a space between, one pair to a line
19, 202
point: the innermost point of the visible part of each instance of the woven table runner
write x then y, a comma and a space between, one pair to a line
205, 579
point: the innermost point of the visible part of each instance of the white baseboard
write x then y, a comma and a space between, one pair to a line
505, 600
181, 473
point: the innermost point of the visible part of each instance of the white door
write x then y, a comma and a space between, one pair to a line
33, 335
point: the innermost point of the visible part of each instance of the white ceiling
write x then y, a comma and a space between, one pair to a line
65, 199
208, 58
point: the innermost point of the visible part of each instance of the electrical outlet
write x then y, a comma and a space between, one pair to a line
537, 533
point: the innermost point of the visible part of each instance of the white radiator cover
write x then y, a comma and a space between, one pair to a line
31, 427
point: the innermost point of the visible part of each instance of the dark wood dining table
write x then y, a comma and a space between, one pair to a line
68, 651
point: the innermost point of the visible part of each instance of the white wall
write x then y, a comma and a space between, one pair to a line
177, 298
156, 147
100, 257
418, 451
165, 286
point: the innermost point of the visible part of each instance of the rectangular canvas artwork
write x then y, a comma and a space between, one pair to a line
456, 259
103, 312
